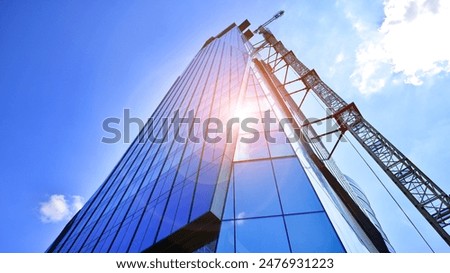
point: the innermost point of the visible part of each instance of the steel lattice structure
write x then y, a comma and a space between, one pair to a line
431, 201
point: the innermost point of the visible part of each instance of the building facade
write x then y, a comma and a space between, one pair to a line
220, 167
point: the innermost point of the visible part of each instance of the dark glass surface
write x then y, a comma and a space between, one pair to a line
312, 232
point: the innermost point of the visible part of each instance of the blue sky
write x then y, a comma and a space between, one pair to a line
67, 66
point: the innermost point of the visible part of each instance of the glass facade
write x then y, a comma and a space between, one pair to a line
364, 203
269, 194
206, 174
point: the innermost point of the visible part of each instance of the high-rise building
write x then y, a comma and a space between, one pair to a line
221, 167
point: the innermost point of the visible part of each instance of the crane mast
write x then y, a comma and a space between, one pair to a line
429, 199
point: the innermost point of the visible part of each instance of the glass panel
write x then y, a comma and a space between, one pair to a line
118, 240
312, 232
261, 235
127, 238
142, 229
184, 206
226, 237
255, 190
204, 190
229, 202
169, 215
278, 144
152, 228
106, 243
255, 149
296, 192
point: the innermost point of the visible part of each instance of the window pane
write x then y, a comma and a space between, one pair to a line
278, 144
256, 149
169, 215
296, 192
226, 237
150, 232
255, 190
184, 206
229, 203
312, 232
261, 235
204, 190
142, 229
118, 240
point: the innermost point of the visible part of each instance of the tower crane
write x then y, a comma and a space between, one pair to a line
429, 199
276, 16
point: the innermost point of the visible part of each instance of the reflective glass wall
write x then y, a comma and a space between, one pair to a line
167, 178
271, 205
207, 174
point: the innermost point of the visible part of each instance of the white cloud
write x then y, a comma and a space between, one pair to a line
57, 208
339, 58
77, 203
240, 215
358, 24
411, 43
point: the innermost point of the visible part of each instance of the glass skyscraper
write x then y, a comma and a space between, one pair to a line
219, 167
